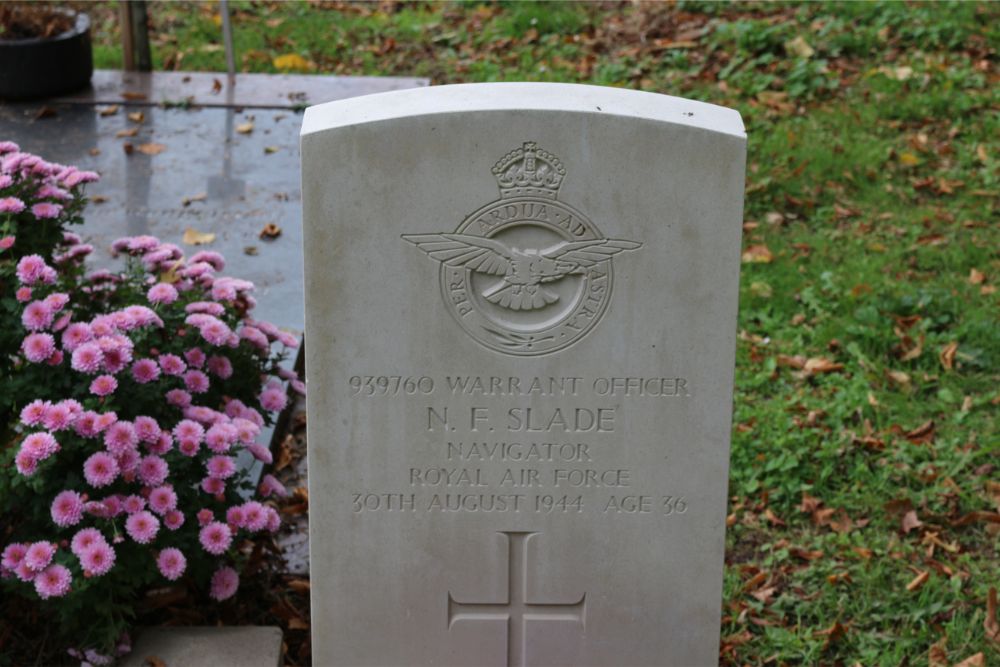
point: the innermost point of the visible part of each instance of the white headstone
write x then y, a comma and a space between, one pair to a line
520, 331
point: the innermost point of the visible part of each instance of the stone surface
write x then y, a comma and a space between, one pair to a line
249, 646
521, 313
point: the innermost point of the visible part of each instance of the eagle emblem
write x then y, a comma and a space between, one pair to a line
524, 270
526, 274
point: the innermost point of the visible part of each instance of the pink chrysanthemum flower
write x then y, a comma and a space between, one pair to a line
188, 447
234, 517
11, 205
273, 519
34, 413
217, 261
25, 463
142, 527
58, 417
67, 508
84, 539
203, 414
23, 294
163, 293
298, 386
37, 316
153, 470
221, 467
55, 580
147, 429
163, 445
100, 469
255, 337
204, 517
171, 563
56, 301
173, 519
142, 316
145, 370
103, 385
246, 430
260, 452
179, 398
40, 445
215, 332
188, 430
76, 335
225, 581
215, 538
195, 357
30, 268
207, 307
104, 420
12, 556
87, 358
39, 555
128, 464
255, 515
97, 559
171, 364
45, 210
221, 367
38, 347
85, 424
273, 399
213, 486
196, 382
119, 437
220, 437
270, 486
162, 499
133, 504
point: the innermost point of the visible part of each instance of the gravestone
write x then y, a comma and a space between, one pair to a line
520, 313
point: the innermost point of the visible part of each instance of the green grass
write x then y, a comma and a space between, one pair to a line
874, 182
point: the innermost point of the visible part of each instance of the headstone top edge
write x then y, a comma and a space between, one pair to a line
568, 97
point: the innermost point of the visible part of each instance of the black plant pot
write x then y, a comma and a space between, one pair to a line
47, 66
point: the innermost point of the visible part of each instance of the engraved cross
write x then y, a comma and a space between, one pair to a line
517, 610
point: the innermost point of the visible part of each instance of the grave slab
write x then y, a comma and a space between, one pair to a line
256, 646
521, 306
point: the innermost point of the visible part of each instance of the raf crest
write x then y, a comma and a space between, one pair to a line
526, 274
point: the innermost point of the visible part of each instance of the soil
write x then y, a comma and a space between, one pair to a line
21, 20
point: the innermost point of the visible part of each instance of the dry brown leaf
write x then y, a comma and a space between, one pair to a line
153, 661
136, 116
834, 633
297, 624
193, 237
129, 95
975, 517
816, 365
270, 231
130, 132
806, 555
300, 585
910, 521
245, 128
809, 503
757, 254
797, 362
799, 47
938, 655
947, 355
110, 111
976, 277
918, 581
863, 552
201, 196
772, 518
284, 457
977, 660
268, 150
898, 378
921, 434
151, 148
128, 148
991, 624
764, 594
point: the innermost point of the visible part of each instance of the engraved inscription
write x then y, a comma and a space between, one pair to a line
527, 274
517, 610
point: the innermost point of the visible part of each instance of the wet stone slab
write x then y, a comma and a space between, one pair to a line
213, 174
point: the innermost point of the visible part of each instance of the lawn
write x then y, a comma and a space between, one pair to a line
864, 525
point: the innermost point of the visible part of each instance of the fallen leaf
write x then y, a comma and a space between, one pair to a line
910, 521
284, 457
947, 355
977, 660
797, 362
268, 150
110, 110
270, 231
921, 434
194, 237
216, 86
757, 254
991, 624
806, 555
128, 148
153, 661
95, 151
938, 654
250, 250
863, 552
809, 503
201, 196
898, 377
799, 47
151, 148
764, 594
818, 365
974, 517
129, 95
834, 633
918, 581
299, 585
292, 61
772, 518
976, 277
908, 159
98, 199
245, 128
297, 624
137, 116
130, 132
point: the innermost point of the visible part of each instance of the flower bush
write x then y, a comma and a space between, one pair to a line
132, 404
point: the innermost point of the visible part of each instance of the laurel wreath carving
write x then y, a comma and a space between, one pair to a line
516, 341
